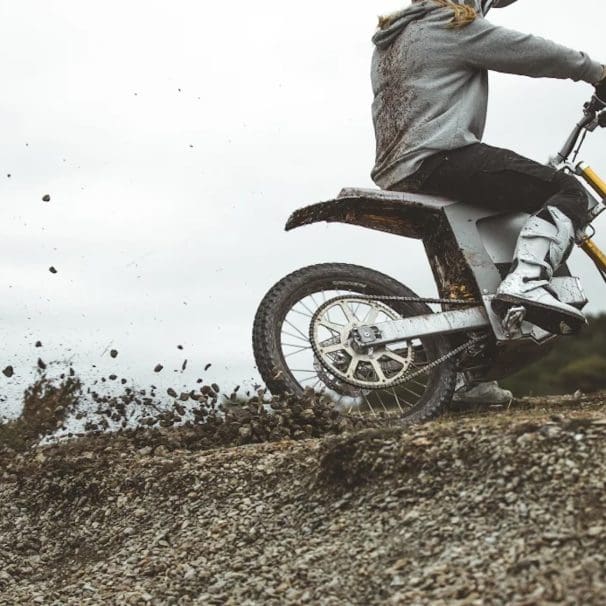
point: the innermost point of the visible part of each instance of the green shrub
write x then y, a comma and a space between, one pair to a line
544, 376
587, 374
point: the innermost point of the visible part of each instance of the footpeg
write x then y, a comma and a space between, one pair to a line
512, 322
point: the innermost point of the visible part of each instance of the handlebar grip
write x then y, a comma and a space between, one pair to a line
596, 104
600, 90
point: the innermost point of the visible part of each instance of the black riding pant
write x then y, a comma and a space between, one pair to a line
497, 178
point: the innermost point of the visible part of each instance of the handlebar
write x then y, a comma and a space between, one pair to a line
594, 115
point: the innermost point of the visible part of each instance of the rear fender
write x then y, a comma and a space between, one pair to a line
404, 214
400, 213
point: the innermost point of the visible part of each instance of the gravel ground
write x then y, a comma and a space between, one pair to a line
500, 508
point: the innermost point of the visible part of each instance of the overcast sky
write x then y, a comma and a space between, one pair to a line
175, 138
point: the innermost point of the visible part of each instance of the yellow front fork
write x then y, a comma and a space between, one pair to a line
596, 255
599, 186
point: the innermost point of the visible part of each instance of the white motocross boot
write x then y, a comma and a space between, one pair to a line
490, 393
543, 245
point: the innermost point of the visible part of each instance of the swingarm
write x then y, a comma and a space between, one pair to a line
415, 327
367, 334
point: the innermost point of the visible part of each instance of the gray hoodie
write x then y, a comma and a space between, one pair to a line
430, 81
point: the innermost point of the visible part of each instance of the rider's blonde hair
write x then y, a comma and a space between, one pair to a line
463, 14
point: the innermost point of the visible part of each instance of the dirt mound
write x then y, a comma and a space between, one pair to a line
501, 508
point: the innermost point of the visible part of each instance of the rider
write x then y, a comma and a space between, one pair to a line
430, 81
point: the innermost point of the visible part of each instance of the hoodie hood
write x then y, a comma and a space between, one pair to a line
418, 9
400, 20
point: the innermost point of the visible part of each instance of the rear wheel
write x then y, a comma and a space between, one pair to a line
286, 360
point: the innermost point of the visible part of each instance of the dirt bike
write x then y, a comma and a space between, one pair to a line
372, 344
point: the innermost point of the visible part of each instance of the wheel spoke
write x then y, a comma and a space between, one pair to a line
296, 311
336, 328
414, 393
297, 352
347, 312
381, 401
395, 393
305, 337
306, 308
289, 334
369, 404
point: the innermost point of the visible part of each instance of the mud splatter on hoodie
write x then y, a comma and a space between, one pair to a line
430, 81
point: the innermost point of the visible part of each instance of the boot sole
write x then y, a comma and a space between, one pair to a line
555, 322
